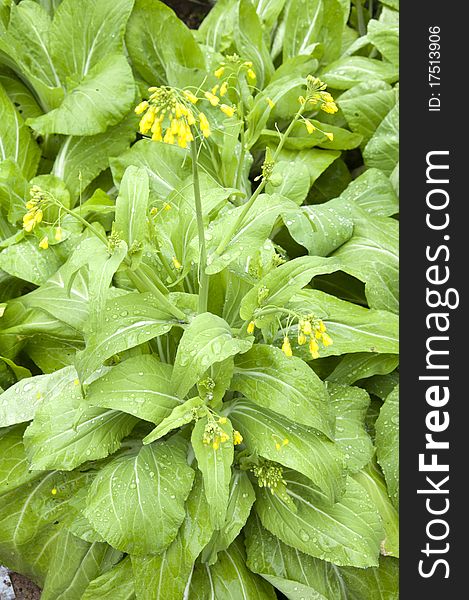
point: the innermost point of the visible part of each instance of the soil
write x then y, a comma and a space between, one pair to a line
191, 12
24, 588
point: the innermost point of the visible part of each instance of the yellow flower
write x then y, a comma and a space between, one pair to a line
301, 338
214, 90
329, 107
204, 125
153, 211
270, 102
166, 206
224, 437
322, 327
219, 72
141, 108
309, 126
214, 100
326, 340
285, 442
327, 97
237, 438
222, 420
53, 491
277, 446
216, 445
313, 348
286, 347
190, 96
147, 120
329, 135
305, 327
177, 264
251, 327
229, 111
252, 75
44, 243
223, 88
58, 234
301, 100
168, 137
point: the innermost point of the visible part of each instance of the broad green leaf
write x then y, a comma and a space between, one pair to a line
16, 141
241, 498
375, 583
372, 480
350, 405
27, 261
167, 575
382, 151
73, 565
371, 255
361, 365
295, 182
157, 41
365, 106
121, 503
387, 443
281, 284
20, 402
81, 158
85, 32
216, 30
101, 99
386, 39
373, 192
352, 328
52, 353
250, 42
14, 466
349, 71
268, 11
167, 165
115, 584
347, 533
139, 386
215, 465
229, 578
66, 432
315, 160
132, 207
207, 340
251, 234
130, 320
307, 450
20, 95
381, 385
180, 415
300, 139
267, 377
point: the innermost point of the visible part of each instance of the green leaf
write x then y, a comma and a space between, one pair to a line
361, 365
267, 377
365, 106
387, 443
350, 405
84, 33
250, 42
241, 498
19, 402
303, 23
207, 340
101, 99
121, 503
349, 71
20, 95
307, 450
352, 328
166, 575
66, 432
215, 465
139, 386
157, 41
73, 565
374, 583
316, 161
131, 320
115, 584
14, 466
371, 255
386, 39
180, 415
373, 192
16, 141
167, 165
347, 533
295, 182
27, 261
229, 578
382, 151
372, 480
285, 281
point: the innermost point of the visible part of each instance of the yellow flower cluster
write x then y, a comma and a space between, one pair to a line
269, 475
310, 128
234, 65
214, 435
316, 93
170, 115
310, 330
35, 205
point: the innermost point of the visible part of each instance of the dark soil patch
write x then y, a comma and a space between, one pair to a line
191, 12
24, 588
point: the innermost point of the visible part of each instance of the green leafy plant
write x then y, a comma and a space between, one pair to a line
198, 321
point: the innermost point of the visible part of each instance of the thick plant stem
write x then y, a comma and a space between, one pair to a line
203, 277
247, 207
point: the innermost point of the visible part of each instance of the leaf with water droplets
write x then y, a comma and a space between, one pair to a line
387, 443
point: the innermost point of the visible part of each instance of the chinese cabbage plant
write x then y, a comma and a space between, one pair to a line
198, 318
